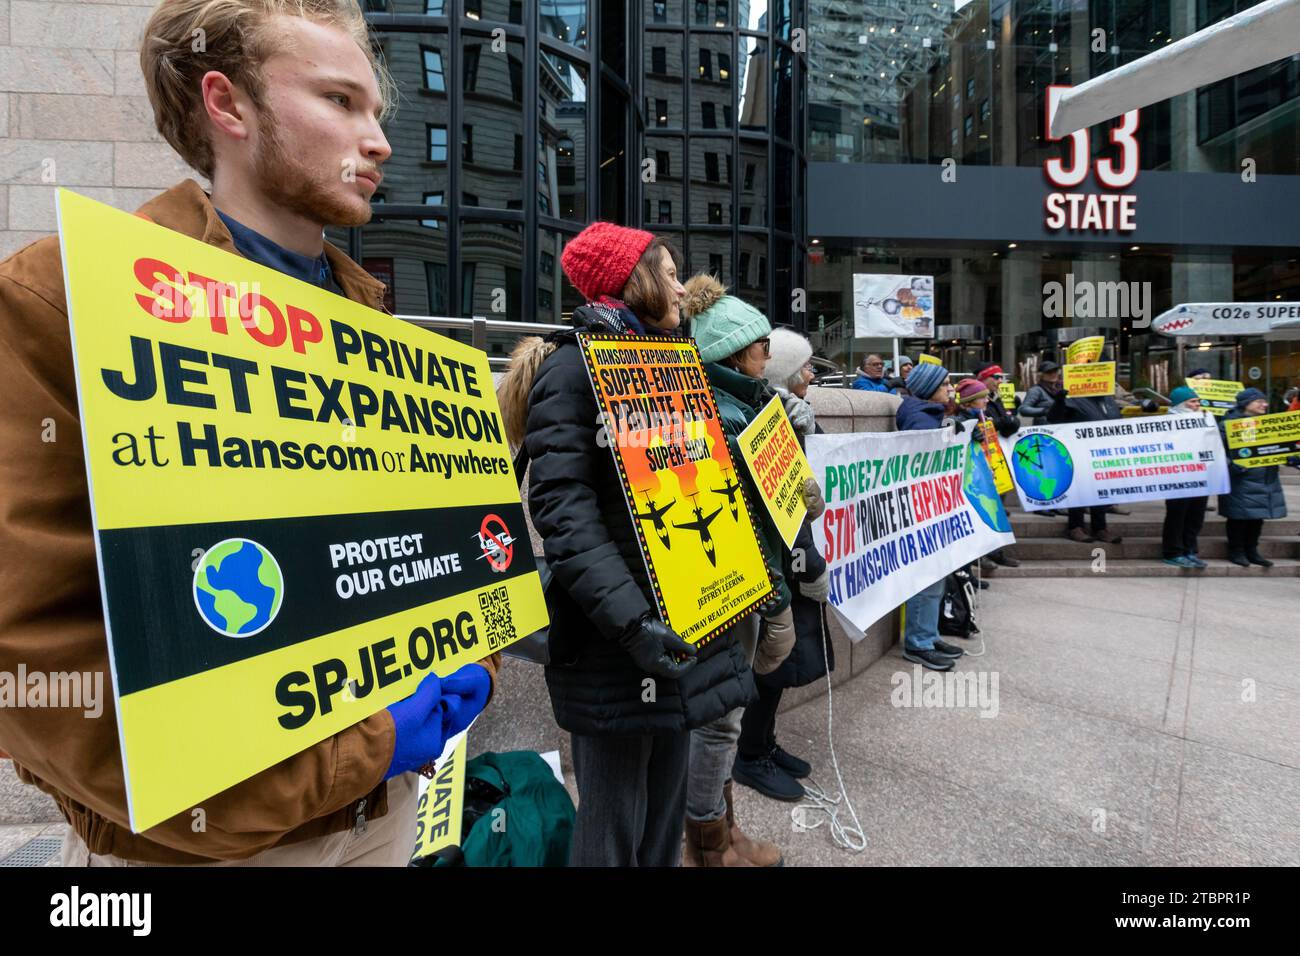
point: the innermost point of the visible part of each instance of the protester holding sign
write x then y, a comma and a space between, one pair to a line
734, 341
976, 400
1095, 408
761, 763
625, 685
1256, 494
1038, 400
246, 110
1184, 517
988, 374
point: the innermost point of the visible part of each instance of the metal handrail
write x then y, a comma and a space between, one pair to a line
478, 327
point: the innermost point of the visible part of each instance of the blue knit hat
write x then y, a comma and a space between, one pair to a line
1248, 395
926, 379
1181, 394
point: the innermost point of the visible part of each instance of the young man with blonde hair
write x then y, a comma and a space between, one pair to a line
278, 103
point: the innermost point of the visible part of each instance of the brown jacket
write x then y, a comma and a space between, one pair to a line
51, 617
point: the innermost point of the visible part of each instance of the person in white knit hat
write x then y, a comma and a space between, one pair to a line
789, 371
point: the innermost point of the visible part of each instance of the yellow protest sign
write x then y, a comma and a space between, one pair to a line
926, 359
441, 807
1007, 392
1085, 351
688, 505
1263, 440
1096, 378
778, 467
1217, 396
993, 455
301, 505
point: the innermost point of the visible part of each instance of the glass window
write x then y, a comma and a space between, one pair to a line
757, 16
663, 88
711, 167
783, 199
433, 77
563, 297
492, 259
562, 137
706, 64
492, 118
664, 11
753, 189
711, 253
470, 68
615, 167
435, 8
708, 116
432, 199
437, 145
753, 83
783, 92
715, 214
663, 191
474, 9
398, 252
710, 193
564, 19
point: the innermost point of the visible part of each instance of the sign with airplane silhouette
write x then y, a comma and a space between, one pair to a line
687, 503
778, 466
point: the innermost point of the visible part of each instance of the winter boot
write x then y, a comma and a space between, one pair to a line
757, 852
709, 844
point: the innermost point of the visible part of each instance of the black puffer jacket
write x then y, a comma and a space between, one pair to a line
808, 660
600, 588
1256, 492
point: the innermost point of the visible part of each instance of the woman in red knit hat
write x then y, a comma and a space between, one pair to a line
615, 681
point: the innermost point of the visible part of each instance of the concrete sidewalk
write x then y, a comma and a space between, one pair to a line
1139, 722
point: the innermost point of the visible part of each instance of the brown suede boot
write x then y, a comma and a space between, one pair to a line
757, 852
709, 844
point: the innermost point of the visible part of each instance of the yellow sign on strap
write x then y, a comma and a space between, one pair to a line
1084, 381
687, 502
1263, 440
1085, 351
987, 437
1217, 396
778, 467
301, 505
441, 808
926, 359
1007, 392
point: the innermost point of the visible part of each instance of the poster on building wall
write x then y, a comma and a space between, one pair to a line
893, 306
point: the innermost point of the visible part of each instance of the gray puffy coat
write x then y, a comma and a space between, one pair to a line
1256, 492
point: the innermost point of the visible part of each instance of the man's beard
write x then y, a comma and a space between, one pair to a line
290, 183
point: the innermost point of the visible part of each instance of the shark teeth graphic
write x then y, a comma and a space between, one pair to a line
1174, 325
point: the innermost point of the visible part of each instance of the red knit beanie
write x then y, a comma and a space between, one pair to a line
600, 259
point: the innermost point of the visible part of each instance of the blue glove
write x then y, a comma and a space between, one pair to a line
465, 694
418, 720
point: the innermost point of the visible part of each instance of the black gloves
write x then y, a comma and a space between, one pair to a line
652, 644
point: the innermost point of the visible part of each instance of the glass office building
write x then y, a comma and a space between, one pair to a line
902, 92
520, 122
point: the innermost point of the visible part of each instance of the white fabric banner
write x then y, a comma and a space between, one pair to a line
1145, 458
903, 510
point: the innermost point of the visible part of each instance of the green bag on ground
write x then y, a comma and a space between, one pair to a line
523, 816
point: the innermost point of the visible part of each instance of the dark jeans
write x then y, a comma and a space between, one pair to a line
758, 726
631, 799
1184, 518
1243, 535
1098, 515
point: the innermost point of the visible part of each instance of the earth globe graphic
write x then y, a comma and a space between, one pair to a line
982, 491
1042, 466
238, 587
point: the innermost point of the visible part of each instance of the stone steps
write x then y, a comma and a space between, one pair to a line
1131, 568
1146, 547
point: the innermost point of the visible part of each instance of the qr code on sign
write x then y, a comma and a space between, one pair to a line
495, 605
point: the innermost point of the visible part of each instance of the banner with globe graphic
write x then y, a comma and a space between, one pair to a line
903, 510
1130, 459
302, 506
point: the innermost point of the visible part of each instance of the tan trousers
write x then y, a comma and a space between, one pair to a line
387, 841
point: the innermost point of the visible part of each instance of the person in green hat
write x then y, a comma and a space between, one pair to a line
1184, 517
734, 342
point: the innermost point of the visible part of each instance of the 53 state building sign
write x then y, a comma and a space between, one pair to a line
301, 505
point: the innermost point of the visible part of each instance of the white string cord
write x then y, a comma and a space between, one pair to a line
972, 592
846, 837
